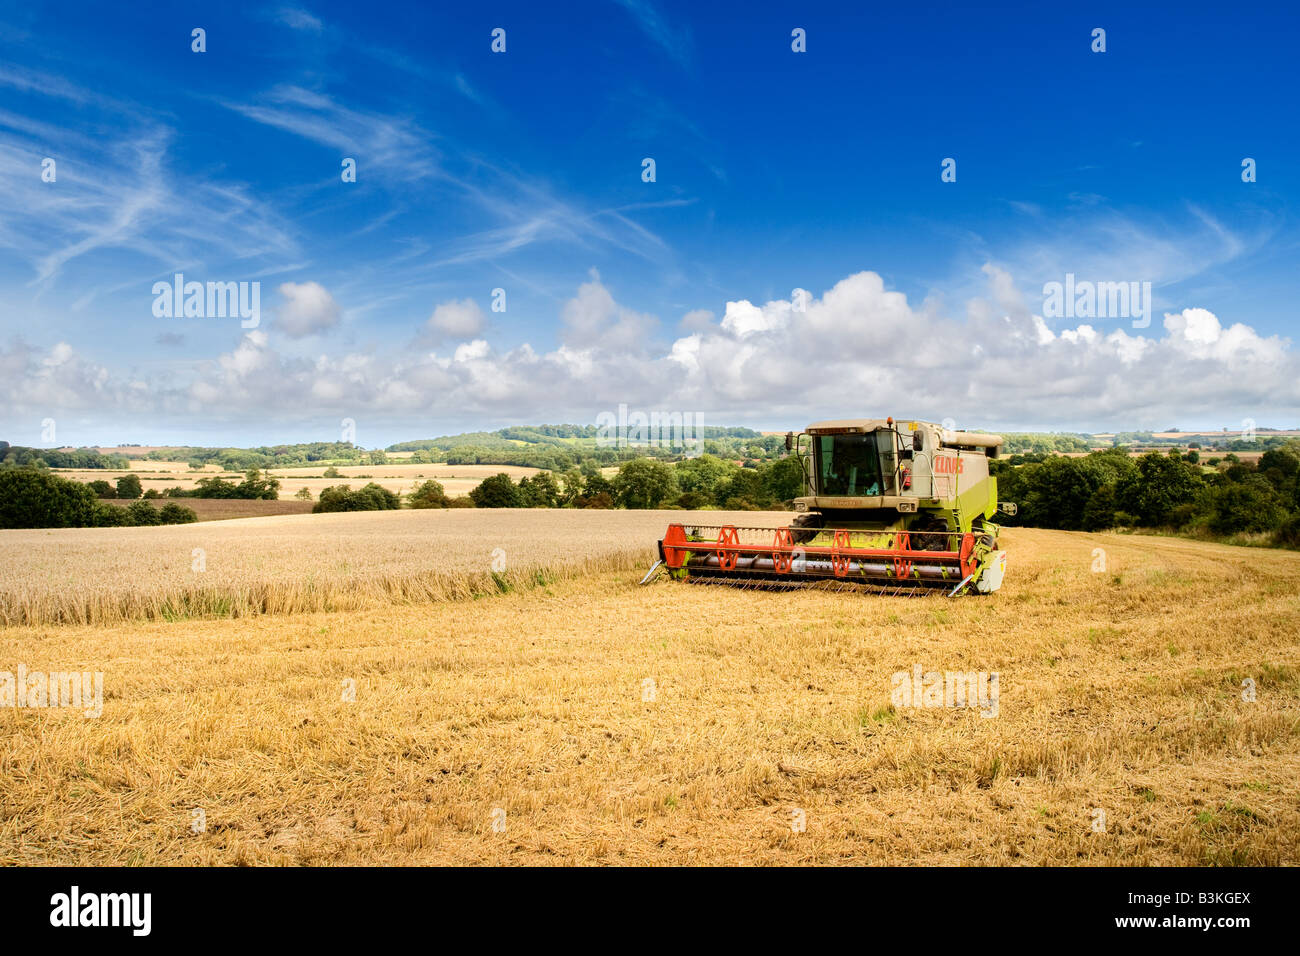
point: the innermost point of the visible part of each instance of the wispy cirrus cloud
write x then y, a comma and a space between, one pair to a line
394, 144
674, 40
113, 188
297, 18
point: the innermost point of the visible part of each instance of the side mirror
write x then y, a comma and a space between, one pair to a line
917, 444
1008, 507
789, 441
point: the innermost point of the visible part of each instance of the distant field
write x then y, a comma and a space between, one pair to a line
176, 472
1228, 436
1245, 456
589, 720
399, 478
219, 509
410, 472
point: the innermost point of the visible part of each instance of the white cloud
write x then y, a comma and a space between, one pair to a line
308, 309
859, 349
298, 19
592, 319
455, 320
472, 351
1199, 333
394, 144
697, 320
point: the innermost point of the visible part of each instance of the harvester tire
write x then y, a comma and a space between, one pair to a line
813, 523
931, 535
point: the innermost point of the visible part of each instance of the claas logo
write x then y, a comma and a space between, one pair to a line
947, 465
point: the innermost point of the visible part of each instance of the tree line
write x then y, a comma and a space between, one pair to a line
559, 448
34, 498
254, 486
706, 481
1178, 492
20, 456
1174, 491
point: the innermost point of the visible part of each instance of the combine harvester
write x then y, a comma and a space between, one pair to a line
896, 507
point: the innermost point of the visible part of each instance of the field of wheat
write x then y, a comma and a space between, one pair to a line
1149, 713
294, 563
398, 477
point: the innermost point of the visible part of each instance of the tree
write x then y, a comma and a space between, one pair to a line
428, 495
177, 514
1059, 490
499, 491
31, 498
1280, 467
215, 488
783, 479
596, 485
304, 494
572, 479
644, 483
103, 489
540, 491
1246, 506
110, 516
143, 513
255, 486
703, 474
1099, 512
744, 491
128, 486
332, 472
1160, 485
371, 497
1284, 459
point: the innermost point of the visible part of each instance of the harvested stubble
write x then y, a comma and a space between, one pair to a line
1119, 691
299, 563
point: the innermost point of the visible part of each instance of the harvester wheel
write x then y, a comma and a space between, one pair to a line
932, 535
805, 527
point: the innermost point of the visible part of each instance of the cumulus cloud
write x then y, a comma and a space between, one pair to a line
697, 320
35, 384
592, 319
859, 349
308, 309
455, 320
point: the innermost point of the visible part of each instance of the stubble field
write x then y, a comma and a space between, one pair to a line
572, 717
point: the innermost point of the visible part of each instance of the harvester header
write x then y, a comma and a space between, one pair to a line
899, 506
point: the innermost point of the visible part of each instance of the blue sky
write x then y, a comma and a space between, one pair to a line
522, 170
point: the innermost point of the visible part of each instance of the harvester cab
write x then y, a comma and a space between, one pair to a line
898, 506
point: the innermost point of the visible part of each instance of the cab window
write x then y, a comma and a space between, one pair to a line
848, 465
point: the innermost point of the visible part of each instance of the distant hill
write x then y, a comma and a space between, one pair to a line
561, 447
